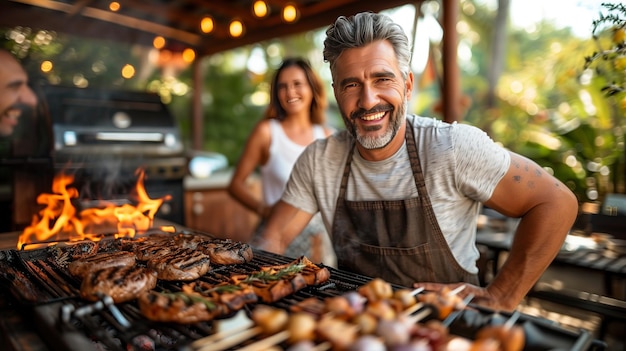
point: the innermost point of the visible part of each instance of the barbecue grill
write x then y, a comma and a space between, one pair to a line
104, 136
65, 322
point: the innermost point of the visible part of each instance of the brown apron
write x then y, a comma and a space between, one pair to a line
398, 241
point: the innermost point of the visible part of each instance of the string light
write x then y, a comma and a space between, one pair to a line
158, 42
207, 24
260, 8
114, 6
46, 66
128, 71
188, 55
236, 28
290, 13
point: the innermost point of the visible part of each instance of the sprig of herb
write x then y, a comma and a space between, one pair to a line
266, 276
191, 299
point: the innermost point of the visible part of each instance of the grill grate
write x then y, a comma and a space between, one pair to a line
66, 322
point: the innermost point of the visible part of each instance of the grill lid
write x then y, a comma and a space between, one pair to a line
115, 122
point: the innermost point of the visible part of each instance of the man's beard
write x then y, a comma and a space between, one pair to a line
373, 142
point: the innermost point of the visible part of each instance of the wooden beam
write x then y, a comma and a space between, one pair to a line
126, 21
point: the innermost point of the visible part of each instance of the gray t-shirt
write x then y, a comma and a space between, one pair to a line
461, 166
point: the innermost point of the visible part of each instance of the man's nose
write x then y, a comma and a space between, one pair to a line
368, 98
28, 96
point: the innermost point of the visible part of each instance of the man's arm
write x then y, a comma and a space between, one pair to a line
547, 209
283, 225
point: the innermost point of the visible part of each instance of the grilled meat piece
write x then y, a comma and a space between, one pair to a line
195, 304
270, 291
190, 241
122, 283
149, 249
272, 283
80, 267
312, 273
181, 264
226, 251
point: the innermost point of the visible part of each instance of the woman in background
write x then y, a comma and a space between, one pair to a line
294, 118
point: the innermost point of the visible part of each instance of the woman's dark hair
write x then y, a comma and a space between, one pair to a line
319, 103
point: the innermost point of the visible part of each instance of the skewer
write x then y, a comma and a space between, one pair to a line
511, 321
421, 315
412, 309
322, 346
284, 335
457, 290
240, 321
267, 342
230, 340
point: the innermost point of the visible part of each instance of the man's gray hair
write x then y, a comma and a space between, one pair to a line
362, 29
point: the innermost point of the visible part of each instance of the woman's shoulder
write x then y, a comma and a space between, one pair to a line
262, 133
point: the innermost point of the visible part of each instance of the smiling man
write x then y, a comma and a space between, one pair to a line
15, 94
400, 194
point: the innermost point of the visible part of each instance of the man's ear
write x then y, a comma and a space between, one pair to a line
409, 84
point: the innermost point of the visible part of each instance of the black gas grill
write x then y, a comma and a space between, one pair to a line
103, 137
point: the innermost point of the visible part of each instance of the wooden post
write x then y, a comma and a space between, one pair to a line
451, 98
197, 122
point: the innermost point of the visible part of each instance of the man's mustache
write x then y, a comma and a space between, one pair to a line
362, 112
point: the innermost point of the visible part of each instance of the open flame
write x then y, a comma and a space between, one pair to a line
59, 220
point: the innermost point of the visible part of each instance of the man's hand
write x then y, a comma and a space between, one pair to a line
482, 296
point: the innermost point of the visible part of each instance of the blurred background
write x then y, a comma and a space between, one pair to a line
528, 78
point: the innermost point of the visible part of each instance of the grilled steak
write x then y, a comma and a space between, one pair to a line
195, 304
272, 283
122, 283
226, 251
312, 273
80, 267
190, 241
181, 264
149, 249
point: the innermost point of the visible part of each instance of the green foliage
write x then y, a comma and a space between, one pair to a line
550, 108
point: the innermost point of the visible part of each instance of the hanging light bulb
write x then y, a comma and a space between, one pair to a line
207, 24
114, 6
188, 55
290, 13
260, 9
236, 28
158, 42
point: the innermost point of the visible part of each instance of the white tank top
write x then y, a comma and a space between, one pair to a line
283, 155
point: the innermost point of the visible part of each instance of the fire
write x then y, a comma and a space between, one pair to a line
59, 220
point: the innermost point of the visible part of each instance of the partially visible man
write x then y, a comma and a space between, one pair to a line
15, 94
17, 101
